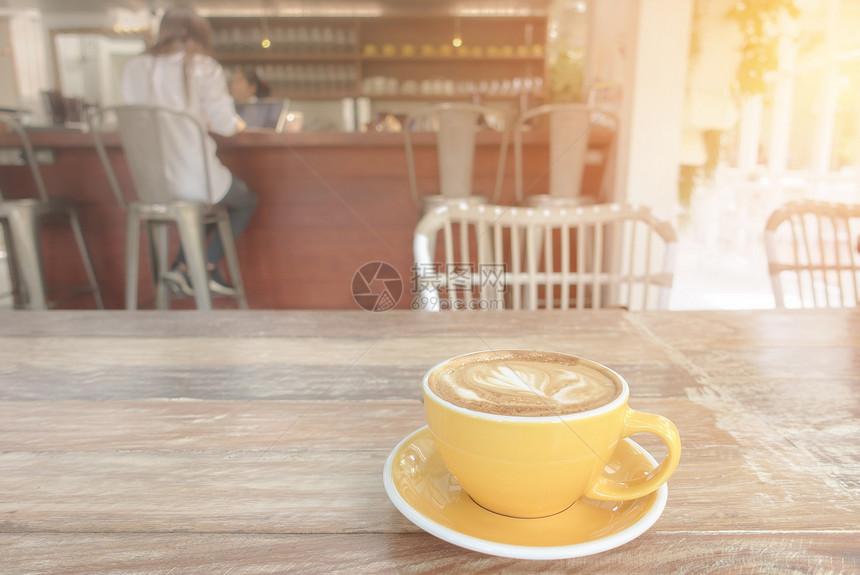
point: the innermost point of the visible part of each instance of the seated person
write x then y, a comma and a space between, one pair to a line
247, 86
247, 89
178, 71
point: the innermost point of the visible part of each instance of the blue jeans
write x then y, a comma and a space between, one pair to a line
240, 202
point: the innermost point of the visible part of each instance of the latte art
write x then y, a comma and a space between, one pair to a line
523, 383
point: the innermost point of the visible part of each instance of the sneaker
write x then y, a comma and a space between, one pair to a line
178, 282
218, 285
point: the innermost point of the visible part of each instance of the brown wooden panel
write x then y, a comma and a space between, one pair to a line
329, 203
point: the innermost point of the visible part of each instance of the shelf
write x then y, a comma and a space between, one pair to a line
285, 57
341, 57
389, 97
469, 59
314, 95
439, 97
515, 44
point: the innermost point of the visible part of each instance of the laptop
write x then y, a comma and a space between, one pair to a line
264, 114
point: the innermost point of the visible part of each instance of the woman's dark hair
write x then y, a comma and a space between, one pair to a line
182, 28
262, 87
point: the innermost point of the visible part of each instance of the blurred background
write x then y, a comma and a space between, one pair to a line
727, 108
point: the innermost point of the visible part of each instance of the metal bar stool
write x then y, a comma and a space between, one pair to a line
456, 125
141, 130
569, 125
21, 220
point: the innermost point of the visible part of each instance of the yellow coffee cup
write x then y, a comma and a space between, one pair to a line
533, 466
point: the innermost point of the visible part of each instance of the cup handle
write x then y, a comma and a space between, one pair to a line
607, 489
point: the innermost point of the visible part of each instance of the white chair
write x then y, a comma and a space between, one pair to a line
496, 257
812, 254
456, 125
22, 219
569, 126
142, 143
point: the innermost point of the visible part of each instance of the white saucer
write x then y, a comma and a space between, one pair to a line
422, 488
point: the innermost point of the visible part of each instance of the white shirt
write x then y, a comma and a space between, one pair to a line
158, 80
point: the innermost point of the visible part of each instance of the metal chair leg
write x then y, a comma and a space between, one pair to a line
190, 223
23, 227
162, 244
16, 293
85, 256
227, 240
157, 236
132, 257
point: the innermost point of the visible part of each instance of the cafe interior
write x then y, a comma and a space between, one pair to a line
235, 244
710, 116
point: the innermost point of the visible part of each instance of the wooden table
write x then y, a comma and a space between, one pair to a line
254, 442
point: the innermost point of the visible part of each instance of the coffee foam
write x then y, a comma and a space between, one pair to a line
524, 383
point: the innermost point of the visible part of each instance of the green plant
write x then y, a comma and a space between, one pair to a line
758, 21
759, 24
566, 77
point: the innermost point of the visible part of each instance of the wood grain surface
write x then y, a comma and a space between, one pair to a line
253, 442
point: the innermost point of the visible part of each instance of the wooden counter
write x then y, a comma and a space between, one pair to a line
329, 203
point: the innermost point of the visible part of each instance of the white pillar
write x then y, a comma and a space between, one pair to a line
829, 95
28, 48
750, 133
653, 103
783, 104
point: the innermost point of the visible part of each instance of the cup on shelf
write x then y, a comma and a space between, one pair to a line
251, 41
528, 85
407, 50
315, 40
389, 50
340, 41
303, 43
367, 85
222, 40
392, 86
328, 43
291, 40
236, 38
294, 121
465, 87
279, 39
380, 84
370, 50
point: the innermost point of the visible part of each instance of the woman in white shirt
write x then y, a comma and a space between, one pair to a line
178, 72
